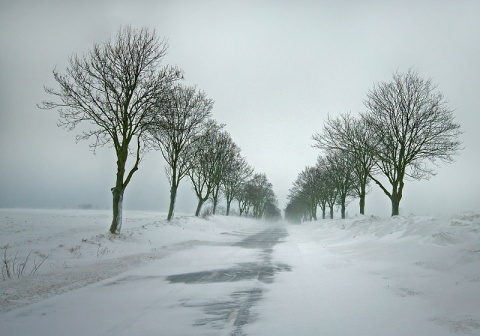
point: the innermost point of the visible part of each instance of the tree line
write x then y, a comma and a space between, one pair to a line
136, 103
407, 126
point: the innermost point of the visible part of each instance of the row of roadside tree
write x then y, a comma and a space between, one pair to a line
407, 127
136, 103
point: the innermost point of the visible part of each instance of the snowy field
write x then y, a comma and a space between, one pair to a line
361, 276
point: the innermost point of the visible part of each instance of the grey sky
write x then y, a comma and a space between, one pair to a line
275, 70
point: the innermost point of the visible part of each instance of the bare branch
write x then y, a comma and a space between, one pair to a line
115, 88
412, 127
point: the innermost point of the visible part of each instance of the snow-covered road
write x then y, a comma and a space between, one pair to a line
231, 276
192, 287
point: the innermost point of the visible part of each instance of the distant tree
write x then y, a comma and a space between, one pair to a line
328, 191
244, 198
224, 153
296, 209
261, 193
115, 88
412, 126
342, 176
203, 162
256, 196
176, 127
271, 211
306, 190
236, 176
352, 136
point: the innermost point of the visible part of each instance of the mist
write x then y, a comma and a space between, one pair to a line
275, 71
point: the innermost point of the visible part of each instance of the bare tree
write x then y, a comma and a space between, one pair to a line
115, 88
296, 209
261, 193
176, 127
257, 195
352, 136
306, 190
236, 176
244, 198
224, 153
271, 210
203, 162
328, 193
342, 176
412, 126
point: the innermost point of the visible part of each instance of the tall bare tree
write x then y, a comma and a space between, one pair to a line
296, 209
235, 178
244, 198
306, 190
115, 88
412, 126
175, 128
271, 210
224, 152
203, 163
261, 193
342, 176
351, 136
328, 190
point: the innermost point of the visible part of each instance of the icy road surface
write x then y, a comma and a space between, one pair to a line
231, 276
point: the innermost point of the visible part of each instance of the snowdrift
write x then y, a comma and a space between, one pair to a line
415, 275
360, 276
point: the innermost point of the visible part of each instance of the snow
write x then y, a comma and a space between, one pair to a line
415, 275
372, 276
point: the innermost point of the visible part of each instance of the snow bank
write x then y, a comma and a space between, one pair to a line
373, 276
415, 275
80, 251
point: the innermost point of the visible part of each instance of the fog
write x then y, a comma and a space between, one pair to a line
275, 71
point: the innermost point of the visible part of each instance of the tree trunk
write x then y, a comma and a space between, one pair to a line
199, 207
397, 197
173, 188
362, 204
343, 209
362, 199
121, 185
323, 207
117, 195
173, 196
395, 205
314, 213
228, 207
117, 210
331, 212
215, 202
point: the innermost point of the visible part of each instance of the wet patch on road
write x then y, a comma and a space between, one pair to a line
264, 240
132, 278
242, 271
232, 314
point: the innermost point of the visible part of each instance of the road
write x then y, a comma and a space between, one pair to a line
236, 311
197, 287
259, 280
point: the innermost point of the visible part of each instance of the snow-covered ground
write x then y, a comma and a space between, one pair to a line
361, 276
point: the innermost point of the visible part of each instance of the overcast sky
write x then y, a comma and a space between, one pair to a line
275, 69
